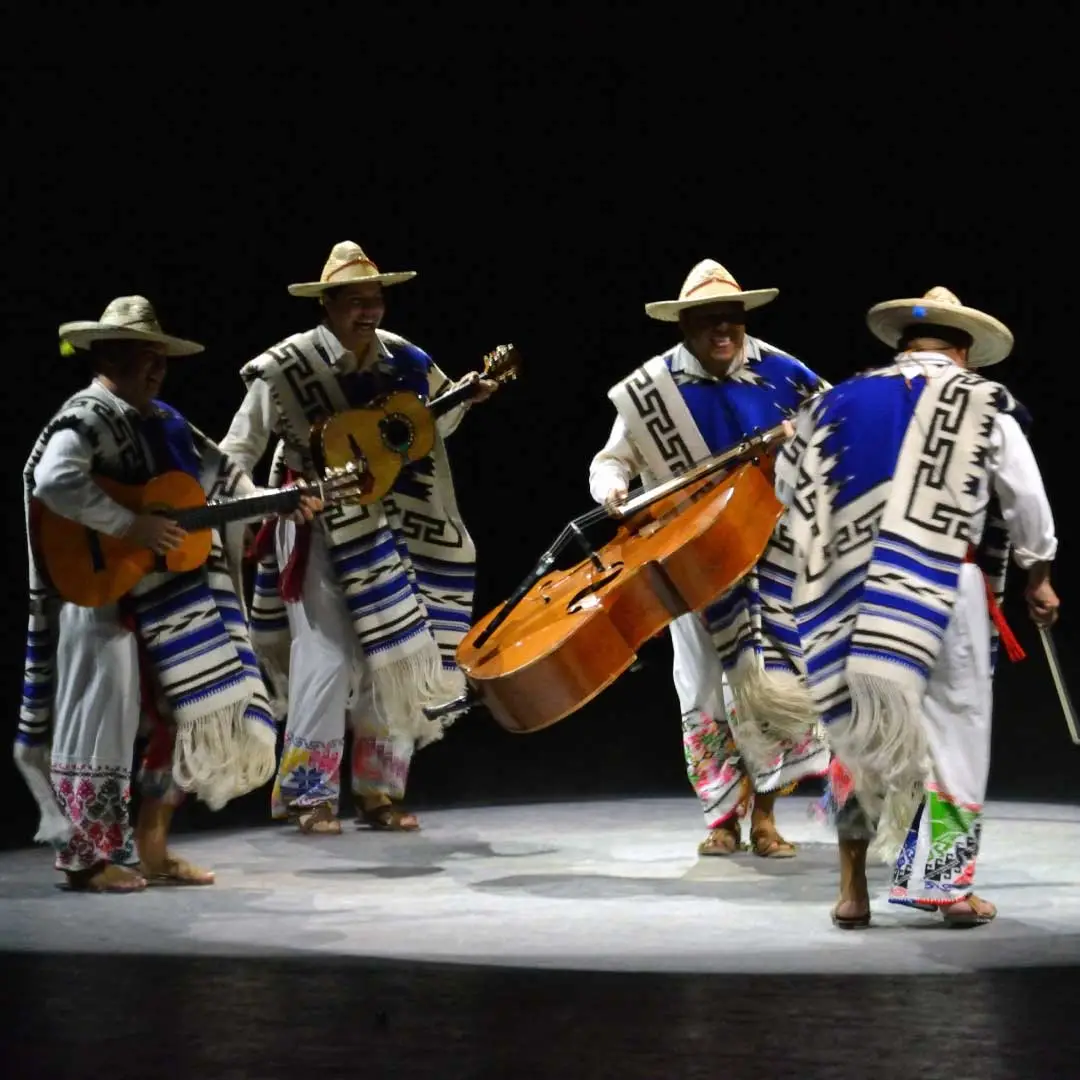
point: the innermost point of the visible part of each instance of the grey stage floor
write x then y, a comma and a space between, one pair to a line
607, 887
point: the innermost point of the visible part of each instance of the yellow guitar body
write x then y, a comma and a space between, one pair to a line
92, 569
380, 439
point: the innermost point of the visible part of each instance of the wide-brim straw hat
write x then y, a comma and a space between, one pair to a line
127, 318
991, 339
709, 283
348, 265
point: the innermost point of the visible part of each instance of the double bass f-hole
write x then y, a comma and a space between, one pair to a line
577, 601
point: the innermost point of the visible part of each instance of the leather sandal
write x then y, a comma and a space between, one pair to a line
981, 913
767, 843
964, 919
850, 922
386, 817
723, 840
176, 871
319, 818
104, 878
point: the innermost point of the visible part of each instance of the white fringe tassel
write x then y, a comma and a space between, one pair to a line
259, 761
773, 711
33, 764
883, 745
209, 755
274, 659
404, 687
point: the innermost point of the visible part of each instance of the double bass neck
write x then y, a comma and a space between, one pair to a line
749, 448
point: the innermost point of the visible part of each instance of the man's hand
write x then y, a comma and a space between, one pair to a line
159, 534
309, 506
1043, 603
483, 388
615, 497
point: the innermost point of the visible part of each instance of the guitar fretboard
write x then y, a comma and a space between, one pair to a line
247, 508
451, 399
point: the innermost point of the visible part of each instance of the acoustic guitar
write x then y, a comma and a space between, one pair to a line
91, 569
396, 429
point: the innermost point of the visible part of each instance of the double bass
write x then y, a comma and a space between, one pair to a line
566, 635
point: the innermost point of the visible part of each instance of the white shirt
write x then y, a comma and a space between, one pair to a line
256, 420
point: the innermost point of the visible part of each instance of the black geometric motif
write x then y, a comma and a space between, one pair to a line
431, 530
305, 382
647, 400
940, 442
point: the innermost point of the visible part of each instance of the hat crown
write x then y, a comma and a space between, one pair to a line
711, 275
131, 313
347, 262
940, 295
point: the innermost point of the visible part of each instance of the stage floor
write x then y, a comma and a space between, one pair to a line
593, 886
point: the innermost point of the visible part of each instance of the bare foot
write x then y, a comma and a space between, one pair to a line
172, 870
105, 878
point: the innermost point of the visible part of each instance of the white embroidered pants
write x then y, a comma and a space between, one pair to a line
714, 765
325, 667
96, 714
937, 862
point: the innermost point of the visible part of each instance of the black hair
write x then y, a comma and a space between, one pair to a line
959, 339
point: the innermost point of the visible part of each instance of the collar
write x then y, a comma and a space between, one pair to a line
912, 363
686, 363
343, 358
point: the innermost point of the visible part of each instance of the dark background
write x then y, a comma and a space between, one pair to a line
545, 179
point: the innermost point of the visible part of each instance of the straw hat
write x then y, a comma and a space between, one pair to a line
127, 318
708, 283
348, 265
991, 340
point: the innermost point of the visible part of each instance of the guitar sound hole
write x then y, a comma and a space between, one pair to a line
594, 586
396, 432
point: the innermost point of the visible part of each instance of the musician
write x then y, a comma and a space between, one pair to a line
930, 460
702, 396
363, 613
174, 652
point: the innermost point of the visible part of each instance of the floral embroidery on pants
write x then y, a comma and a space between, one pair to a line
309, 772
381, 766
96, 801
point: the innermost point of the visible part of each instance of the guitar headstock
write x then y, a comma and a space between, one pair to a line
502, 364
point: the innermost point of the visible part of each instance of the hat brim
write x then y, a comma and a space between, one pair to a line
81, 335
668, 310
991, 340
317, 288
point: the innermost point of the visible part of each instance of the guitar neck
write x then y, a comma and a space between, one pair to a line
451, 399
247, 508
